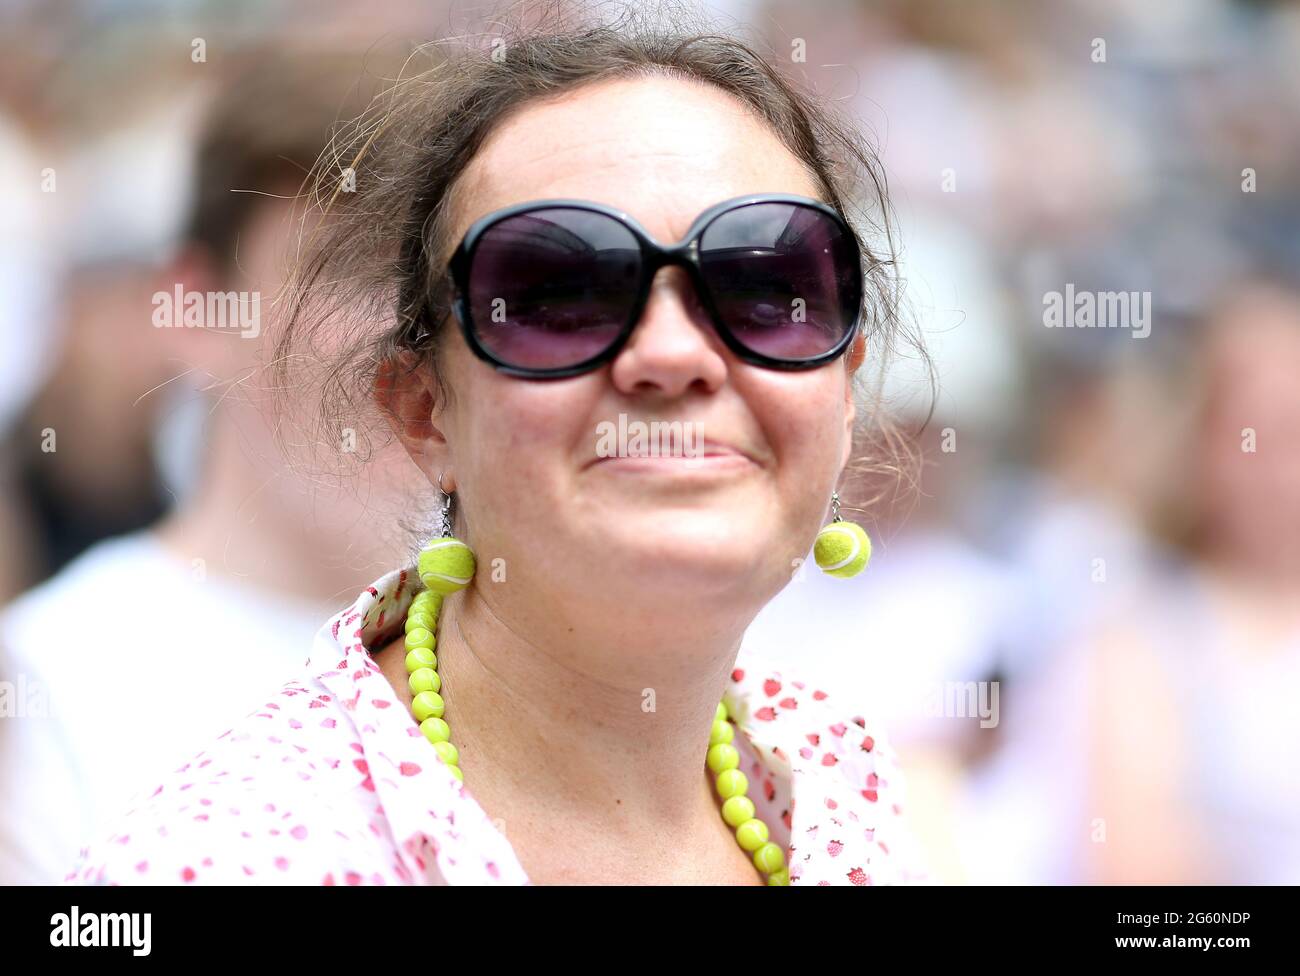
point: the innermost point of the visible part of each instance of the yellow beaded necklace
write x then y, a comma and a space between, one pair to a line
446, 565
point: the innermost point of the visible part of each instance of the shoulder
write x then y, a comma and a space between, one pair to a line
281, 797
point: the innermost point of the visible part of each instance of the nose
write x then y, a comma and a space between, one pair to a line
673, 347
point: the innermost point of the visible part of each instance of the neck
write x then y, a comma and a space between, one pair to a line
600, 724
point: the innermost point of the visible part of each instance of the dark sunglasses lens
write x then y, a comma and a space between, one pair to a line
552, 288
784, 278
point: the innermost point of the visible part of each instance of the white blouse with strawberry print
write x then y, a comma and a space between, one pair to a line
332, 782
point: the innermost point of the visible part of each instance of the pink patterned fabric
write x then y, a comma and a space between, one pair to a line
332, 782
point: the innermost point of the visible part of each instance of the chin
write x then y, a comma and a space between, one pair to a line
682, 549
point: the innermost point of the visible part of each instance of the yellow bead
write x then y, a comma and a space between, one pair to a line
455, 771
419, 637
751, 835
428, 703
737, 809
769, 858
723, 756
420, 657
427, 602
446, 565
731, 782
416, 619
425, 679
435, 729
722, 732
781, 877
447, 752
720, 715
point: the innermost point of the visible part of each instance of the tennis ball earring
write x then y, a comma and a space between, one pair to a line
842, 548
446, 564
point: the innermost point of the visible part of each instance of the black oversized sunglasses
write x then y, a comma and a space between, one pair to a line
554, 288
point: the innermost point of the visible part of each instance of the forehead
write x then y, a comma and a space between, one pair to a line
663, 150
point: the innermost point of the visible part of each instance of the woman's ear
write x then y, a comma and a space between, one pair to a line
405, 392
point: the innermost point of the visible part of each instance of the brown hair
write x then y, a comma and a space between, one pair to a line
387, 187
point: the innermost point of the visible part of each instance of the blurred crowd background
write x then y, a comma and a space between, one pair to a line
1081, 623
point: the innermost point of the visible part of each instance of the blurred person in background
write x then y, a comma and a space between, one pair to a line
1057, 517
103, 192
151, 630
1194, 772
83, 448
26, 337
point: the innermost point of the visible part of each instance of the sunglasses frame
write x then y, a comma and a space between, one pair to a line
654, 255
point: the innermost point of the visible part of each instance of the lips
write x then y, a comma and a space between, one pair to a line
711, 449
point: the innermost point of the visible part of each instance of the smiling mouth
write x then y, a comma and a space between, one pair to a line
708, 464
710, 451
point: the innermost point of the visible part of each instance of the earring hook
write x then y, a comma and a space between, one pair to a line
446, 507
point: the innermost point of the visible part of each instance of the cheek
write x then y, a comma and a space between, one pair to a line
804, 422
527, 430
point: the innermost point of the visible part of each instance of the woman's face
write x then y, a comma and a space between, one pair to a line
520, 452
